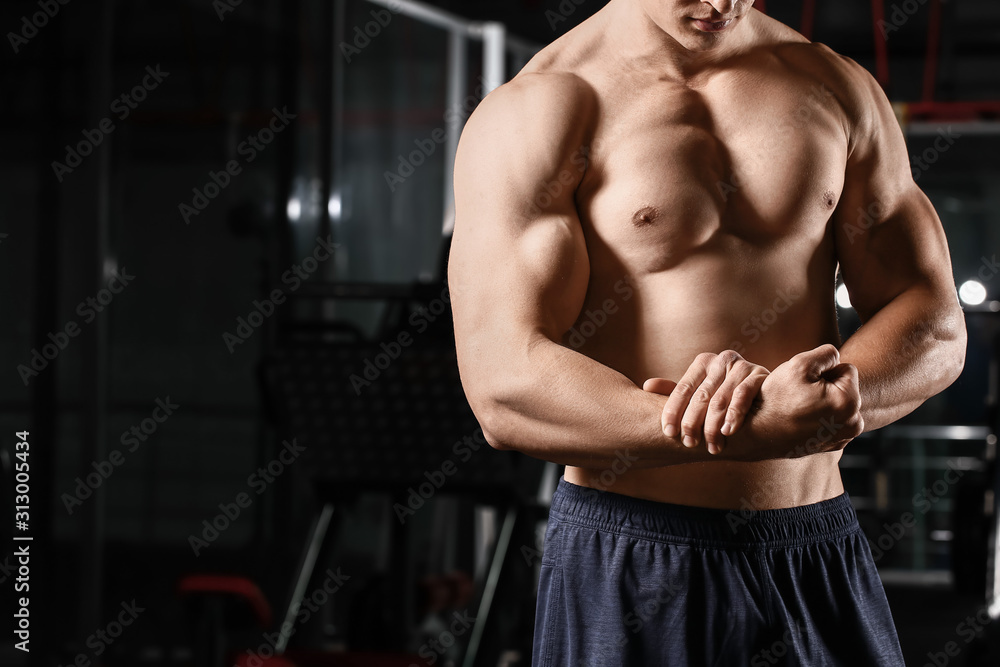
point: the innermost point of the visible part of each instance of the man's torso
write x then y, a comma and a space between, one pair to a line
705, 206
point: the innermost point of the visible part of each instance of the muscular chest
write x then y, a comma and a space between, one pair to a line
674, 170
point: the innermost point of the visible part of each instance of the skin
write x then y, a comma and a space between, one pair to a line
649, 222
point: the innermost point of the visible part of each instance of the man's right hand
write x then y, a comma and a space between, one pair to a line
808, 405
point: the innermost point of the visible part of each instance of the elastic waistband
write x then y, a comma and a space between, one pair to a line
744, 528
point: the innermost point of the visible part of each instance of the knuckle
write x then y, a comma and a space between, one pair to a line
729, 357
843, 404
702, 395
705, 357
743, 365
855, 425
683, 389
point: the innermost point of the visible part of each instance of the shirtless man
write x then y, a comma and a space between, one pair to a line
649, 222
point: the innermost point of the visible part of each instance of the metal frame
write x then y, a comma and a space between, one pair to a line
497, 43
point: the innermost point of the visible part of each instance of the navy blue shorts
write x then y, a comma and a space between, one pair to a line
633, 582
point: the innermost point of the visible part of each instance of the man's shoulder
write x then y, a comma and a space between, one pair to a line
817, 61
797, 52
551, 102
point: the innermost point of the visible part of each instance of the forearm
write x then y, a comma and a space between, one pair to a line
910, 350
553, 403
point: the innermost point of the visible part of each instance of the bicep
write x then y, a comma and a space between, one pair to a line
510, 277
888, 237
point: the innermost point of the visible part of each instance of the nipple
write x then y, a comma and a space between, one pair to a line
645, 216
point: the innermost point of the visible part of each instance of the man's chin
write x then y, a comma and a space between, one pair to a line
703, 43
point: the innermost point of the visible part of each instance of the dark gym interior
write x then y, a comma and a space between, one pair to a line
227, 334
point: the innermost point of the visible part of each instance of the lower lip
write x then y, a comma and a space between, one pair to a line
707, 26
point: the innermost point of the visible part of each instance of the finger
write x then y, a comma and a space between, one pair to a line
718, 408
818, 361
682, 393
743, 398
844, 377
693, 420
659, 386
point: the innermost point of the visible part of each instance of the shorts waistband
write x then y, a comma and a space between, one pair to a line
745, 528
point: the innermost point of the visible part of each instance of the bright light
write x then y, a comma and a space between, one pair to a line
843, 298
333, 206
294, 209
972, 292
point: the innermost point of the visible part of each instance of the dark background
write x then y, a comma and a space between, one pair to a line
162, 337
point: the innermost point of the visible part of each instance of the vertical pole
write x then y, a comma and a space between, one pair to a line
494, 56
325, 111
337, 191
457, 79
